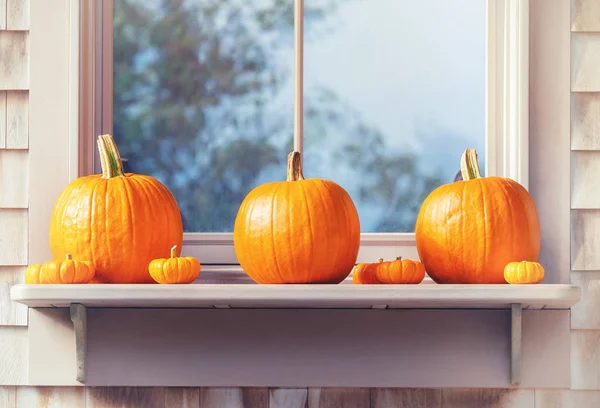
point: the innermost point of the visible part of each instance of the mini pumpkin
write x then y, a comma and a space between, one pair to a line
67, 271
523, 272
399, 271
297, 231
32, 274
467, 231
174, 269
119, 221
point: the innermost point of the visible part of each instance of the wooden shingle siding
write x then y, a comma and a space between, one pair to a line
17, 15
585, 15
488, 398
11, 313
288, 398
49, 397
585, 126
566, 399
339, 397
235, 397
405, 398
8, 395
2, 120
13, 237
182, 398
117, 397
17, 119
14, 178
13, 355
585, 315
14, 60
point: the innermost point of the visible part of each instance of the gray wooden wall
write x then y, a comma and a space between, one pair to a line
585, 258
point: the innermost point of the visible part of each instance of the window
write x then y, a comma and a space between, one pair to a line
200, 94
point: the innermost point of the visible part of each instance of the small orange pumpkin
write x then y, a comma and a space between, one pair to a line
364, 273
399, 271
67, 271
523, 272
32, 274
174, 269
119, 221
467, 231
297, 231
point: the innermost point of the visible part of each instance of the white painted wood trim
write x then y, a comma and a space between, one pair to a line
300, 296
507, 75
52, 134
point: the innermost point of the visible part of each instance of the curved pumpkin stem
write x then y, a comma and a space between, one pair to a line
469, 167
294, 169
68, 256
380, 260
174, 252
110, 158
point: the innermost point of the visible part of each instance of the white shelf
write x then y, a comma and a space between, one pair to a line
431, 296
251, 296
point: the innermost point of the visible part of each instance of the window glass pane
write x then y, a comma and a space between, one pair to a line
394, 93
203, 99
198, 104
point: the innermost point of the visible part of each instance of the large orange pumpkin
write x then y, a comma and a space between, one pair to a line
118, 221
297, 231
468, 231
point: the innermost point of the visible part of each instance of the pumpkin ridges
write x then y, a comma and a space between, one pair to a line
345, 250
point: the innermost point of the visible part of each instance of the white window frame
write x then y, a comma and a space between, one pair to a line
506, 123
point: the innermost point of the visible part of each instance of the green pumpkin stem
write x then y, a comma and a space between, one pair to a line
469, 167
110, 159
174, 252
294, 169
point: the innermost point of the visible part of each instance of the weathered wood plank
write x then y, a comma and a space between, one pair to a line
585, 359
585, 15
2, 119
2, 14
288, 398
14, 178
125, 397
17, 119
13, 237
548, 398
585, 59
50, 397
14, 60
11, 313
234, 398
585, 126
177, 397
405, 398
8, 396
13, 355
17, 14
339, 398
584, 314
488, 398
585, 240
585, 180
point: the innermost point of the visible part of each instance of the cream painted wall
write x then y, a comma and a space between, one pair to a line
583, 146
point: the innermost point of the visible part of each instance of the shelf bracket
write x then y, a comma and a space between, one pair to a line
79, 319
515, 343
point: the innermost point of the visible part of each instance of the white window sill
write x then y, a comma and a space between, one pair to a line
425, 296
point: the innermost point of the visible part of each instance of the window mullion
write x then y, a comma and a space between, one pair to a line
298, 75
